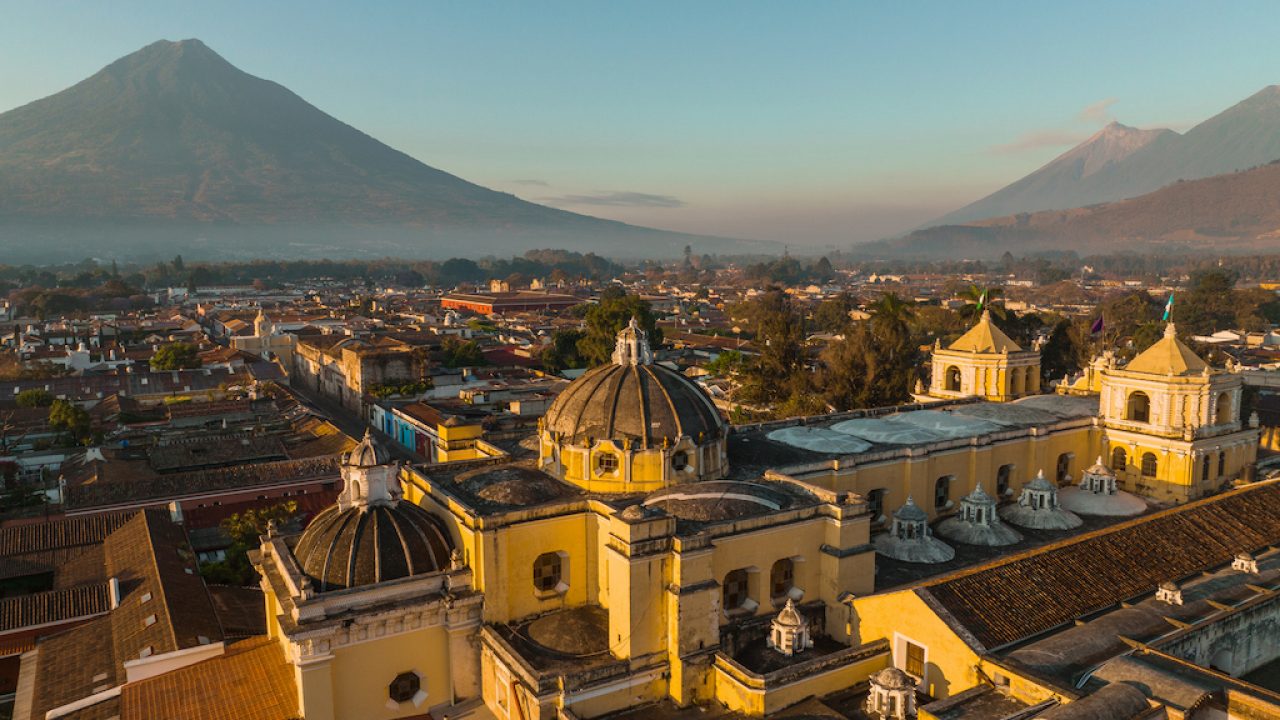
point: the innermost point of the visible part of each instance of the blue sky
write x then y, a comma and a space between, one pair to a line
814, 123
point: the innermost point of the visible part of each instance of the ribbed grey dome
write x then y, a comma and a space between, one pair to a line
362, 546
640, 402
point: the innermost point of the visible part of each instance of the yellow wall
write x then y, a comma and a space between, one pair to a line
966, 465
755, 700
902, 615
364, 671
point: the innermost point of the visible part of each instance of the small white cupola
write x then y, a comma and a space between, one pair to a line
632, 347
369, 476
1169, 593
1245, 563
789, 633
892, 695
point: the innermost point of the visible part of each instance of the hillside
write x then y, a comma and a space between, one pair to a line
174, 147
1066, 181
1236, 212
1121, 162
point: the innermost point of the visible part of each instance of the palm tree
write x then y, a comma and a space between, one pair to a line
973, 299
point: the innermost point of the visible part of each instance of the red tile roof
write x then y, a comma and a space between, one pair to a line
1023, 595
251, 681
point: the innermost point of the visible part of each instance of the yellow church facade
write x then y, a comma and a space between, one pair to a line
650, 553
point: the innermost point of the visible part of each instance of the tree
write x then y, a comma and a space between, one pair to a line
779, 376
69, 418
456, 352
562, 353
34, 397
176, 356
178, 264
244, 530
874, 365
607, 318
975, 303
832, 315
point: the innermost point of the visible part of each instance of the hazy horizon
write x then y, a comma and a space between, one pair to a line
814, 125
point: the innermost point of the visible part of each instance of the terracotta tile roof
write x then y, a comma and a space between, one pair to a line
251, 681
65, 532
166, 487
163, 608
53, 606
242, 611
1017, 597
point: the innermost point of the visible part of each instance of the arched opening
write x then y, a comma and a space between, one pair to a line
952, 378
1064, 468
1019, 381
735, 591
781, 580
1148, 465
875, 504
942, 492
1138, 409
1119, 460
1002, 480
1224, 413
1205, 468
1222, 464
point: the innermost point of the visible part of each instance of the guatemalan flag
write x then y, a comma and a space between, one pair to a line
1168, 309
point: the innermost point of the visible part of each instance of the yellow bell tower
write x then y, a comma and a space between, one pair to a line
1172, 425
985, 363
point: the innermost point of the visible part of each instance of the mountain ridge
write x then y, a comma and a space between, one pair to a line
1234, 212
175, 141
1245, 135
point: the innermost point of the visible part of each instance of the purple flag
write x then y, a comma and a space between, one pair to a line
1097, 326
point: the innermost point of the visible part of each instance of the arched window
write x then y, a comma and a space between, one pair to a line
1138, 408
942, 492
1222, 464
1002, 480
1148, 465
1064, 468
875, 503
735, 593
953, 378
1119, 460
781, 579
1204, 472
1224, 414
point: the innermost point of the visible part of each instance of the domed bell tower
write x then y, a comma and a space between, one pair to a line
1172, 424
633, 425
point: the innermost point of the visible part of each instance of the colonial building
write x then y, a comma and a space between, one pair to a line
650, 556
985, 363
